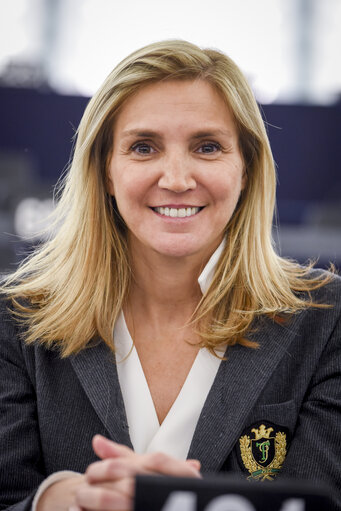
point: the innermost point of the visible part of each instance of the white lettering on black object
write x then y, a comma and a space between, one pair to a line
230, 503
293, 505
181, 500
187, 501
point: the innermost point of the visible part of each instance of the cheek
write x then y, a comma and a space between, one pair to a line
133, 184
129, 195
227, 187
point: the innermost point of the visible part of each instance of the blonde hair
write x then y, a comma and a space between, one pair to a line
73, 287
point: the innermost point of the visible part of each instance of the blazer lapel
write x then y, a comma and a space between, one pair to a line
96, 369
237, 386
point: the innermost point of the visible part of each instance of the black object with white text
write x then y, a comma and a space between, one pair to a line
223, 493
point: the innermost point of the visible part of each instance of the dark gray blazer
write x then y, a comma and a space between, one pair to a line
50, 408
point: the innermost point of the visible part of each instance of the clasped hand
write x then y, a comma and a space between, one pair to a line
109, 484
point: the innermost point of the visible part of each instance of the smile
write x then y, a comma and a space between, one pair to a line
177, 212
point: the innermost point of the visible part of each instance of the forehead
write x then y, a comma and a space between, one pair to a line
174, 101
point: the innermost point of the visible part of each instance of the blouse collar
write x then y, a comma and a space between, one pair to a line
206, 276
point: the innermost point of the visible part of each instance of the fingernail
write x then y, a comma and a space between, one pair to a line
194, 463
74, 508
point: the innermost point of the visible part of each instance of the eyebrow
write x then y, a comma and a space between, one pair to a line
212, 133
154, 134
140, 133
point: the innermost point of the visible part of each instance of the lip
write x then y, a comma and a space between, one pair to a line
177, 206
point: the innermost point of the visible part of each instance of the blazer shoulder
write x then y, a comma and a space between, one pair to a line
12, 332
323, 321
328, 293
8, 323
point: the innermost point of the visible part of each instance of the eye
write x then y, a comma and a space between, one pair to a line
209, 148
142, 148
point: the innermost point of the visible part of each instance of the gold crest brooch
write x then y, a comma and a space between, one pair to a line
264, 454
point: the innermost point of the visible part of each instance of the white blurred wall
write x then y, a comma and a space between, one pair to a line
288, 48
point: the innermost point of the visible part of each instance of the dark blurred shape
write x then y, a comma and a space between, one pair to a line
18, 179
305, 140
23, 75
36, 131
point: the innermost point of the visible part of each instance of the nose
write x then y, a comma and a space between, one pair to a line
176, 174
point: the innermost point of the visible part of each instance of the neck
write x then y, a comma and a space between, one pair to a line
164, 287
162, 283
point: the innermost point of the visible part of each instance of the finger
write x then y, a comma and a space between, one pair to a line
113, 469
103, 499
133, 464
163, 464
125, 486
105, 448
195, 463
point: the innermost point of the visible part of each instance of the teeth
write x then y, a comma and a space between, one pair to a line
177, 212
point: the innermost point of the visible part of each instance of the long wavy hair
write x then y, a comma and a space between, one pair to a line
72, 288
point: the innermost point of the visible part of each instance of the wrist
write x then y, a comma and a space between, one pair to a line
59, 495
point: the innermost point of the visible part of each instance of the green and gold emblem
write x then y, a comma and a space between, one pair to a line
264, 454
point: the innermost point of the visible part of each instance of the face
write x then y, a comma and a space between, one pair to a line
176, 169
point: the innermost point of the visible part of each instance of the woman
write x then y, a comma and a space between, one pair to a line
162, 258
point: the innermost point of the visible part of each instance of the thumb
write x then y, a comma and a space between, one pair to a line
194, 463
105, 448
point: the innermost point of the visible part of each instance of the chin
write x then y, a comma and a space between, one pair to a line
178, 248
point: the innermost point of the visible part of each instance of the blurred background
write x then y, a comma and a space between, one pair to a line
54, 54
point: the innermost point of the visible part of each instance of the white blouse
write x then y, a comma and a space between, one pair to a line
175, 434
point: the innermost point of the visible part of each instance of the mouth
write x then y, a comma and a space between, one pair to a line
178, 212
